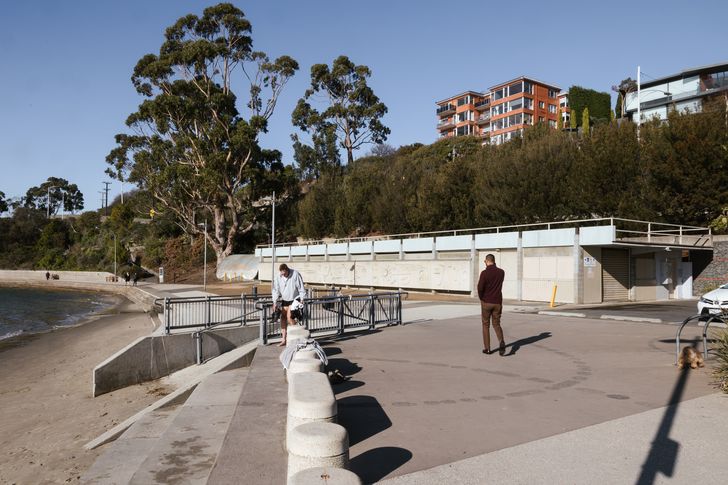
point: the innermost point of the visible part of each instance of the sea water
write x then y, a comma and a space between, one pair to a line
34, 310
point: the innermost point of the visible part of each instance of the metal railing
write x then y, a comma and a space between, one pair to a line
338, 313
720, 318
208, 311
443, 109
625, 228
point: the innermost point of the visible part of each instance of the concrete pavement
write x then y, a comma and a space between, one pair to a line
575, 400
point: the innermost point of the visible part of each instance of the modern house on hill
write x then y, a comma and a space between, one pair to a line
684, 91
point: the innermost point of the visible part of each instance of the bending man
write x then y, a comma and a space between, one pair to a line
288, 286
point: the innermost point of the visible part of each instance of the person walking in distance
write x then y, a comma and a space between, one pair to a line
287, 286
490, 292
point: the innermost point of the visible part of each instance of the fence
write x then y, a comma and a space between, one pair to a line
208, 311
337, 313
205, 312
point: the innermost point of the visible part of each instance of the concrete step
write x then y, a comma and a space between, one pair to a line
123, 457
186, 451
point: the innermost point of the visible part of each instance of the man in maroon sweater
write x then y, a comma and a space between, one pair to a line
490, 287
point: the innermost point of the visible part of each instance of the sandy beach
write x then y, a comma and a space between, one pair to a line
47, 412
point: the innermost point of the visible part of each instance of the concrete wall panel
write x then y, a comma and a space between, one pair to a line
362, 247
317, 249
417, 245
453, 243
596, 236
549, 238
391, 246
338, 248
298, 250
496, 240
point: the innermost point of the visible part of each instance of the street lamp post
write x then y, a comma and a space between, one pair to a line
273, 242
204, 274
114, 253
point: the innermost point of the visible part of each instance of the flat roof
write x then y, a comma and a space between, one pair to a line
527, 79
687, 72
477, 93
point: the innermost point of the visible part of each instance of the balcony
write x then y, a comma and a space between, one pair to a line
446, 110
481, 105
483, 119
446, 124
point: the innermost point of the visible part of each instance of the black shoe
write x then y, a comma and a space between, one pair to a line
486, 351
502, 348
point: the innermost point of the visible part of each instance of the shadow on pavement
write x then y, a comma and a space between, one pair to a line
375, 464
663, 452
515, 346
362, 416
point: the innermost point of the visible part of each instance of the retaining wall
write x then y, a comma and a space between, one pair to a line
155, 356
716, 271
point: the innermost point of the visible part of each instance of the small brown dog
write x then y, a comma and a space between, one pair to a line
690, 357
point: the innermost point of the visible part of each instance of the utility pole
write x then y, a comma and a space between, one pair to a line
273, 244
106, 197
639, 112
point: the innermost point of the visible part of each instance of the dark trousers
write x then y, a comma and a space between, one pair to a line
491, 312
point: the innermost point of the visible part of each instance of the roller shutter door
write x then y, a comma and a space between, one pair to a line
615, 275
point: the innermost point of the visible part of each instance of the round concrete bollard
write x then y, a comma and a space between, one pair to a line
310, 399
325, 476
317, 445
295, 332
305, 364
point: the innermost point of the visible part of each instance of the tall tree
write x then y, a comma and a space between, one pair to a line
352, 109
585, 121
53, 194
625, 86
3, 203
192, 149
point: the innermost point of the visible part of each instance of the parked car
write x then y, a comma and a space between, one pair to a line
714, 302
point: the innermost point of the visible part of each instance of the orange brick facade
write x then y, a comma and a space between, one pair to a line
502, 112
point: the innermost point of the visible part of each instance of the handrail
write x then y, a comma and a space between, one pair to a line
340, 312
456, 232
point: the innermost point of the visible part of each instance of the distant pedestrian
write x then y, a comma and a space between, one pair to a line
288, 286
48, 275
136, 278
126, 278
490, 292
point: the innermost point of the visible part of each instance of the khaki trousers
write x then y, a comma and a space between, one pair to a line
488, 312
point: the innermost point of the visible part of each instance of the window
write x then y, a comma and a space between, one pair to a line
564, 103
498, 94
541, 105
463, 130
527, 87
516, 104
541, 119
553, 93
552, 108
497, 109
527, 119
465, 116
528, 103
464, 100
515, 89
552, 124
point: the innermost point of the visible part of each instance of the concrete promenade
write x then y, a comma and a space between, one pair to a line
575, 400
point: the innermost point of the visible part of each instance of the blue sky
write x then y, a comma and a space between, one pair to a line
65, 87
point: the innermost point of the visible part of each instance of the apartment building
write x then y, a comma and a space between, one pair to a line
683, 91
502, 112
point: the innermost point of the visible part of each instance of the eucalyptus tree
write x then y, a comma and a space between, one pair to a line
54, 194
3, 203
352, 113
190, 146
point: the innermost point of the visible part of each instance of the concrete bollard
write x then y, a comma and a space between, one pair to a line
310, 399
305, 364
317, 445
294, 333
325, 476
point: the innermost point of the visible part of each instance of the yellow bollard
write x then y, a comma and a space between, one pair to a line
553, 297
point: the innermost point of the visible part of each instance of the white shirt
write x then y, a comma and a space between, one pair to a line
288, 288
